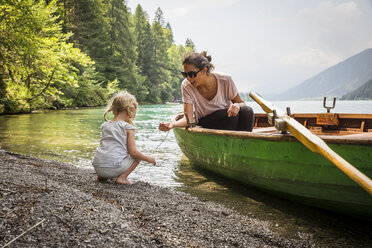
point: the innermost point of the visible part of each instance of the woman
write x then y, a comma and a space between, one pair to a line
213, 96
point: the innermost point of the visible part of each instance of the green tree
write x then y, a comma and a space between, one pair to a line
35, 58
143, 41
159, 17
160, 80
122, 53
86, 20
144, 52
176, 55
189, 43
168, 33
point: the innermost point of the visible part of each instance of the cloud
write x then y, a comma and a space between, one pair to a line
179, 12
193, 5
330, 16
310, 57
329, 21
217, 3
332, 27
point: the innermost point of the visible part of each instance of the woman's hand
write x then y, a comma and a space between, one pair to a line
233, 110
165, 126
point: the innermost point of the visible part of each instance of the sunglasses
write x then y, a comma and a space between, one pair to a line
190, 74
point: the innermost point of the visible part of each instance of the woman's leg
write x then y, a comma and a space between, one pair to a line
246, 119
219, 120
123, 178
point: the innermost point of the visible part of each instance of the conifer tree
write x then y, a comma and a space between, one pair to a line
161, 90
144, 51
121, 46
168, 34
91, 33
176, 54
189, 43
159, 17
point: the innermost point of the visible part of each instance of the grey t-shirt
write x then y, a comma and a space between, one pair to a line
113, 145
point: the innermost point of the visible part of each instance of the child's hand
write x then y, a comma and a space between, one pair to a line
151, 160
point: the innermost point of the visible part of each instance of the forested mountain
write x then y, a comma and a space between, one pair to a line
64, 53
364, 92
335, 81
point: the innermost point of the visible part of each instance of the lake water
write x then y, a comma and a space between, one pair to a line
73, 135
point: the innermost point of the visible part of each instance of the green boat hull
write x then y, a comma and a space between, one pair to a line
283, 166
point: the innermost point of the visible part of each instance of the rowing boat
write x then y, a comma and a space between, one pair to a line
276, 162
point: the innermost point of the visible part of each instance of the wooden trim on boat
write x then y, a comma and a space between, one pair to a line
350, 129
274, 135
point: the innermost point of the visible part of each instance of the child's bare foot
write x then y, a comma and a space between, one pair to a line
101, 179
123, 181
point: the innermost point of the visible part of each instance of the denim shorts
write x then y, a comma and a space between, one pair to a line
108, 172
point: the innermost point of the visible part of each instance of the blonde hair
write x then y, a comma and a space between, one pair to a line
122, 101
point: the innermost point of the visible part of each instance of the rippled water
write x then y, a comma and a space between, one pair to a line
73, 135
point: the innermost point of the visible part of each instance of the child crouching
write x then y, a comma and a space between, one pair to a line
117, 155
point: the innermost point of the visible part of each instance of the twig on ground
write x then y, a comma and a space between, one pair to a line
8, 190
10, 212
7, 244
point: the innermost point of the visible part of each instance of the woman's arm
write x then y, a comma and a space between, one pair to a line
187, 108
133, 152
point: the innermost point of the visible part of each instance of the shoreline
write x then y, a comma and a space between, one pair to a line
77, 210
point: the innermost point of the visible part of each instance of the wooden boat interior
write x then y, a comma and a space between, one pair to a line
323, 123
326, 125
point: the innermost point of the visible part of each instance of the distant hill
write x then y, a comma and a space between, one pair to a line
364, 92
335, 81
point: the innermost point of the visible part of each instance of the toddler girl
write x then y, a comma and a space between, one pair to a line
117, 155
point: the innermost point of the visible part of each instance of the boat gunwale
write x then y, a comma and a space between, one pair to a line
360, 139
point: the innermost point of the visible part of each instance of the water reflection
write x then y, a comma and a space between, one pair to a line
73, 135
288, 218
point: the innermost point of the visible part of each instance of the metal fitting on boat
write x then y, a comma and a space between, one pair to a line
271, 118
328, 107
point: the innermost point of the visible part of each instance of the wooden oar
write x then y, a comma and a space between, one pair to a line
314, 143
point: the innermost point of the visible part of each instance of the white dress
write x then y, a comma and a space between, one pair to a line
112, 151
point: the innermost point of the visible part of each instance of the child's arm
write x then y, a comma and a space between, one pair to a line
133, 152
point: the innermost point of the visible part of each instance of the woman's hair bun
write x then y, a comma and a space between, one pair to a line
208, 57
199, 60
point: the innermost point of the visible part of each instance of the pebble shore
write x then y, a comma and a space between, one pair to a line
46, 203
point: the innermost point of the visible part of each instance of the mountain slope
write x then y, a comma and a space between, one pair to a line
336, 81
364, 92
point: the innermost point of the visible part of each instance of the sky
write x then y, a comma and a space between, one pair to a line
269, 46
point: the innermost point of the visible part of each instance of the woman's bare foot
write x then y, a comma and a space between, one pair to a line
123, 181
